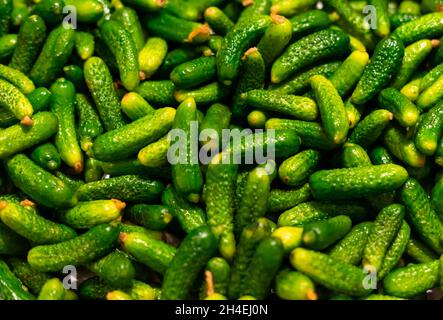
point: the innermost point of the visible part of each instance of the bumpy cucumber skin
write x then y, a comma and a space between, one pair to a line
151, 56
384, 65
220, 271
30, 225
332, 109
32, 279
405, 112
84, 44
189, 216
40, 185
154, 253
17, 78
15, 101
50, 10
90, 246
218, 20
195, 72
192, 255
175, 58
301, 214
63, 106
429, 130
126, 141
354, 156
421, 214
153, 217
30, 40
295, 171
403, 148
53, 56
135, 107
419, 252
308, 22
11, 243
370, 128
321, 234
264, 265
18, 138
11, 288
129, 18
116, 269
411, 280
350, 249
437, 197
133, 188
122, 46
85, 215
159, 92
383, 27
293, 285
281, 200
427, 26
208, 94
217, 118
89, 126
99, 82
386, 225
46, 156
94, 289
235, 43
356, 182
329, 272
133, 166
312, 48
155, 155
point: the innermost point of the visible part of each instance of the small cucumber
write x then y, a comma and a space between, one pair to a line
129, 18
429, 130
31, 278
386, 226
146, 5
350, 249
296, 107
89, 126
301, 214
431, 95
11, 288
6, 7
13, 100
329, 272
84, 44
289, 8
99, 81
159, 92
131, 188
40, 99
194, 73
50, 10
430, 77
383, 24
309, 22
422, 216
93, 170
17, 138
151, 56
356, 182
75, 74
280, 200
398, 19
123, 48
426, 27
293, 285
88, 247
11, 243
217, 118
26, 222
155, 155
219, 270
218, 20
296, 170
437, 196
8, 43
193, 254
321, 234
63, 106
116, 269
403, 148
85, 215
208, 94
187, 177
188, 215
367, 132
154, 253
135, 107
405, 112
53, 56
411, 280
262, 269
153, 217
175, 58
308, 50
122, 143
419, 252
354, 155
412, 89
385, 64
53, 289
332, 109
94, 289
133, 166
17, 78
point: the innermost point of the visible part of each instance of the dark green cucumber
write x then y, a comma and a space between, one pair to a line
237, 41
309, 22
329, 272
296, 170
402, 147
437, 196
293, 285
385, 63
411, 280
154, 253
280, 200
75, 74
386, 226
175, 58
123, 48
50, 10
189, 216
129, 18
251, 236
31, 278
383, 23
146, 5
419, 252
26, 222
301, 214
89, 126
193, 254
39, 184
134, 166
398, 19
17, 138
289, 8
218, 20
301, 108
159, 92
217, 118
357, 182
371, 128
63, 106
85, 215
354, 155
8, 43
153, 217
116, 269
432, 95
427, 26
262, 269
132, 188
332, 109
6, 7
350, 249
321, 234
405, 112
122, 143
422, 216
94, 289
99, 82
207, 94
93, 170
40, 99
429, 130
195, 72
46, 156
220, 271
187, 177
308, 50
11, 288
11, 243
90, 246
53, 56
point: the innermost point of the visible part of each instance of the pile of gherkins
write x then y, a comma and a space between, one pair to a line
95, 96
